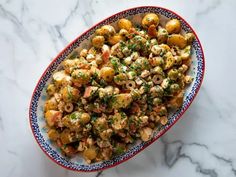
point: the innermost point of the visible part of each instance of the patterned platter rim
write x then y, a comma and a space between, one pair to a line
55, 156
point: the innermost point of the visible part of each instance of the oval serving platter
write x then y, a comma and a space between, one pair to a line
36, 116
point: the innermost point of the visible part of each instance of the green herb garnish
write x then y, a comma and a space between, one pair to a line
119, 150
123, 115
103, 83
69, 90
146, 86
74, 116
82, 75
73, 55
132, 46
122, 45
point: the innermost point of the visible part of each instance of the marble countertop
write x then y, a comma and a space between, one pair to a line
202, 143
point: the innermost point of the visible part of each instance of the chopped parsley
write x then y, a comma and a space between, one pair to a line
123, 115
122, 45
94, 83
108, 99
103, 83
119, 150
149, 100
69, 91
136, 66
132, 47
149, 107
112, 100
130, 120
95, 76
82, 75
111, 121
73, 55
146, 87
167, 91
146, 63
139, 121
148, 44
74, 115
116, 63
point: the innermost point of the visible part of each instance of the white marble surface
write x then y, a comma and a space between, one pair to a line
202, 143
